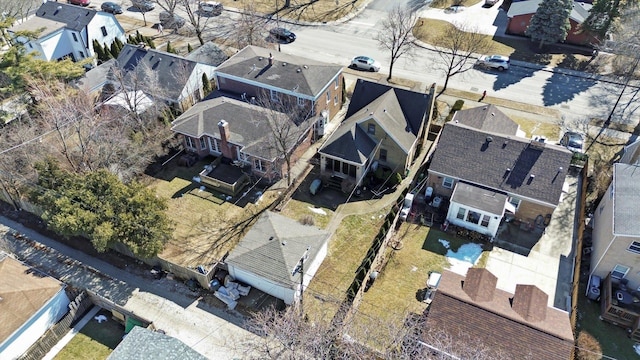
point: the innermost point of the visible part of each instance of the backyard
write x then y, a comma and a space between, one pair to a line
95, 341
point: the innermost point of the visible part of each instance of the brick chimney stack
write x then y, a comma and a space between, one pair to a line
225, 147
270, 59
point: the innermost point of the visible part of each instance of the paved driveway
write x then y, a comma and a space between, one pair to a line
168, 304
490, 21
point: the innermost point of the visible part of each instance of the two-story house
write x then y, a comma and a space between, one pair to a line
68, 31
485, 170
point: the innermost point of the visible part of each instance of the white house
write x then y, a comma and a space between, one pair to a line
30, 302
274, 252
68, 31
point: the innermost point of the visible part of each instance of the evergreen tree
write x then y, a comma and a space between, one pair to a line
97, 48
550, 23
169, 48
149, 42
132, 40
119, 44
206, 85
107, 53
189, 48
604, 14
114, 50
139, 37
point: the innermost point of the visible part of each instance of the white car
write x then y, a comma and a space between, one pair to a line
364, 63
494, 62
406, 206
210, 7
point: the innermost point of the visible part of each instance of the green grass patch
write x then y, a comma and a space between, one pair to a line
297, 210
94, 341
532, 127
347, 249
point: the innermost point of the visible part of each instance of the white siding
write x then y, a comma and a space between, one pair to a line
490, 230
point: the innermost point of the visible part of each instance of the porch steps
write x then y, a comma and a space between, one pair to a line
335, 182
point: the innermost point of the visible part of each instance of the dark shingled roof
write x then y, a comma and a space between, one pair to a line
172, 70
480, 284
399, 113
626, 197
487, 118
248, 124
209, 54
495, 325
288, 72
75, 17
272, 248
530, 302
502, 162
144, 344
479, 198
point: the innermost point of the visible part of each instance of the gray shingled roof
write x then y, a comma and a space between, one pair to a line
248, 124
272, 248
389, 110
55, 15
144, 344
209, 54
479, 198
288, 72
505, 163
579, 12
487, 118
496, 325
172, 70
631, 154
626, 197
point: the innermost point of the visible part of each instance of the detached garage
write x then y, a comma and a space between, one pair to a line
274, 252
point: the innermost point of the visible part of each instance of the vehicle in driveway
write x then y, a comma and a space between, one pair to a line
171, 22
364, 63
111, 7
210, 7
498, 62
282, 34
79, 2
573, 141
143, 5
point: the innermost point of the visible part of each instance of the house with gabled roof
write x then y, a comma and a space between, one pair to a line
260, 75
494, 322
486, 170
30, 303
68, 31
384, 126
278, 256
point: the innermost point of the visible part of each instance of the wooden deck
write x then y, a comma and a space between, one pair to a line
617, 313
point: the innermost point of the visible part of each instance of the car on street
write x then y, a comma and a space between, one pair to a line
364, 63
282, 34
210, 7
111, 7
79, 2
498, 62
171, 22
573, 141
143, 5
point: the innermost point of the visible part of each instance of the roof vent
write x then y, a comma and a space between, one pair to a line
508, 169
305, 66
59, 7
493, 114
260, 58
270, 238
283, 243
504, 145
298, 70
489, 139
284, 64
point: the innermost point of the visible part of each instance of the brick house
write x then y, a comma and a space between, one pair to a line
521, 12
486, 170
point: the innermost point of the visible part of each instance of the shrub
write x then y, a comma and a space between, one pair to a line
307, 220
588, 347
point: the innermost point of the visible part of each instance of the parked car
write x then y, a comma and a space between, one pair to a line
573, 141
282, 34
143, 5
79, 2
315, 187
494, 62
490, 2
365, 63
406, 206
111, 7
171, 22
210, 7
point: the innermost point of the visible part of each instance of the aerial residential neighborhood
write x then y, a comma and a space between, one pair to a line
358, 179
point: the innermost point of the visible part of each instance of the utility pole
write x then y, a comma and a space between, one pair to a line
300, 269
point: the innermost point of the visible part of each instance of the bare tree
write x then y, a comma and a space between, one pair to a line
459, 45
195, 18
168, 5
18, 9
396, 34
250, 28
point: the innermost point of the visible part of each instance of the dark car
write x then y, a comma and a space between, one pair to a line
143, 5
171, 22
573, 141
111, 7
282, 34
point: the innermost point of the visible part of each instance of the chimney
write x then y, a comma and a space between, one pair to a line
480, 284
225, 135
270, 59
530, 303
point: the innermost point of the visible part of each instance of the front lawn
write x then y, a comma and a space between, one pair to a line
300, 10
95, 341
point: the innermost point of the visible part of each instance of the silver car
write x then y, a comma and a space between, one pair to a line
494, 62
364, 63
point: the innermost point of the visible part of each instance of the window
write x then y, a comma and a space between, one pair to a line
258, 165
461, 212
274, 96
203, 143
104, 31
213, 145
634, 247
371, 129
328, 96
190, 142
383, 155
515, 202
619, 271
447, 182
473, 217
81, 54
337, 83
75, 37
301, 101
485, 221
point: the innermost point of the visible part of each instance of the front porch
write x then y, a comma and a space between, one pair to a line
621, 306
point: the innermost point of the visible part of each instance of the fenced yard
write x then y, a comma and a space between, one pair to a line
95, 341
